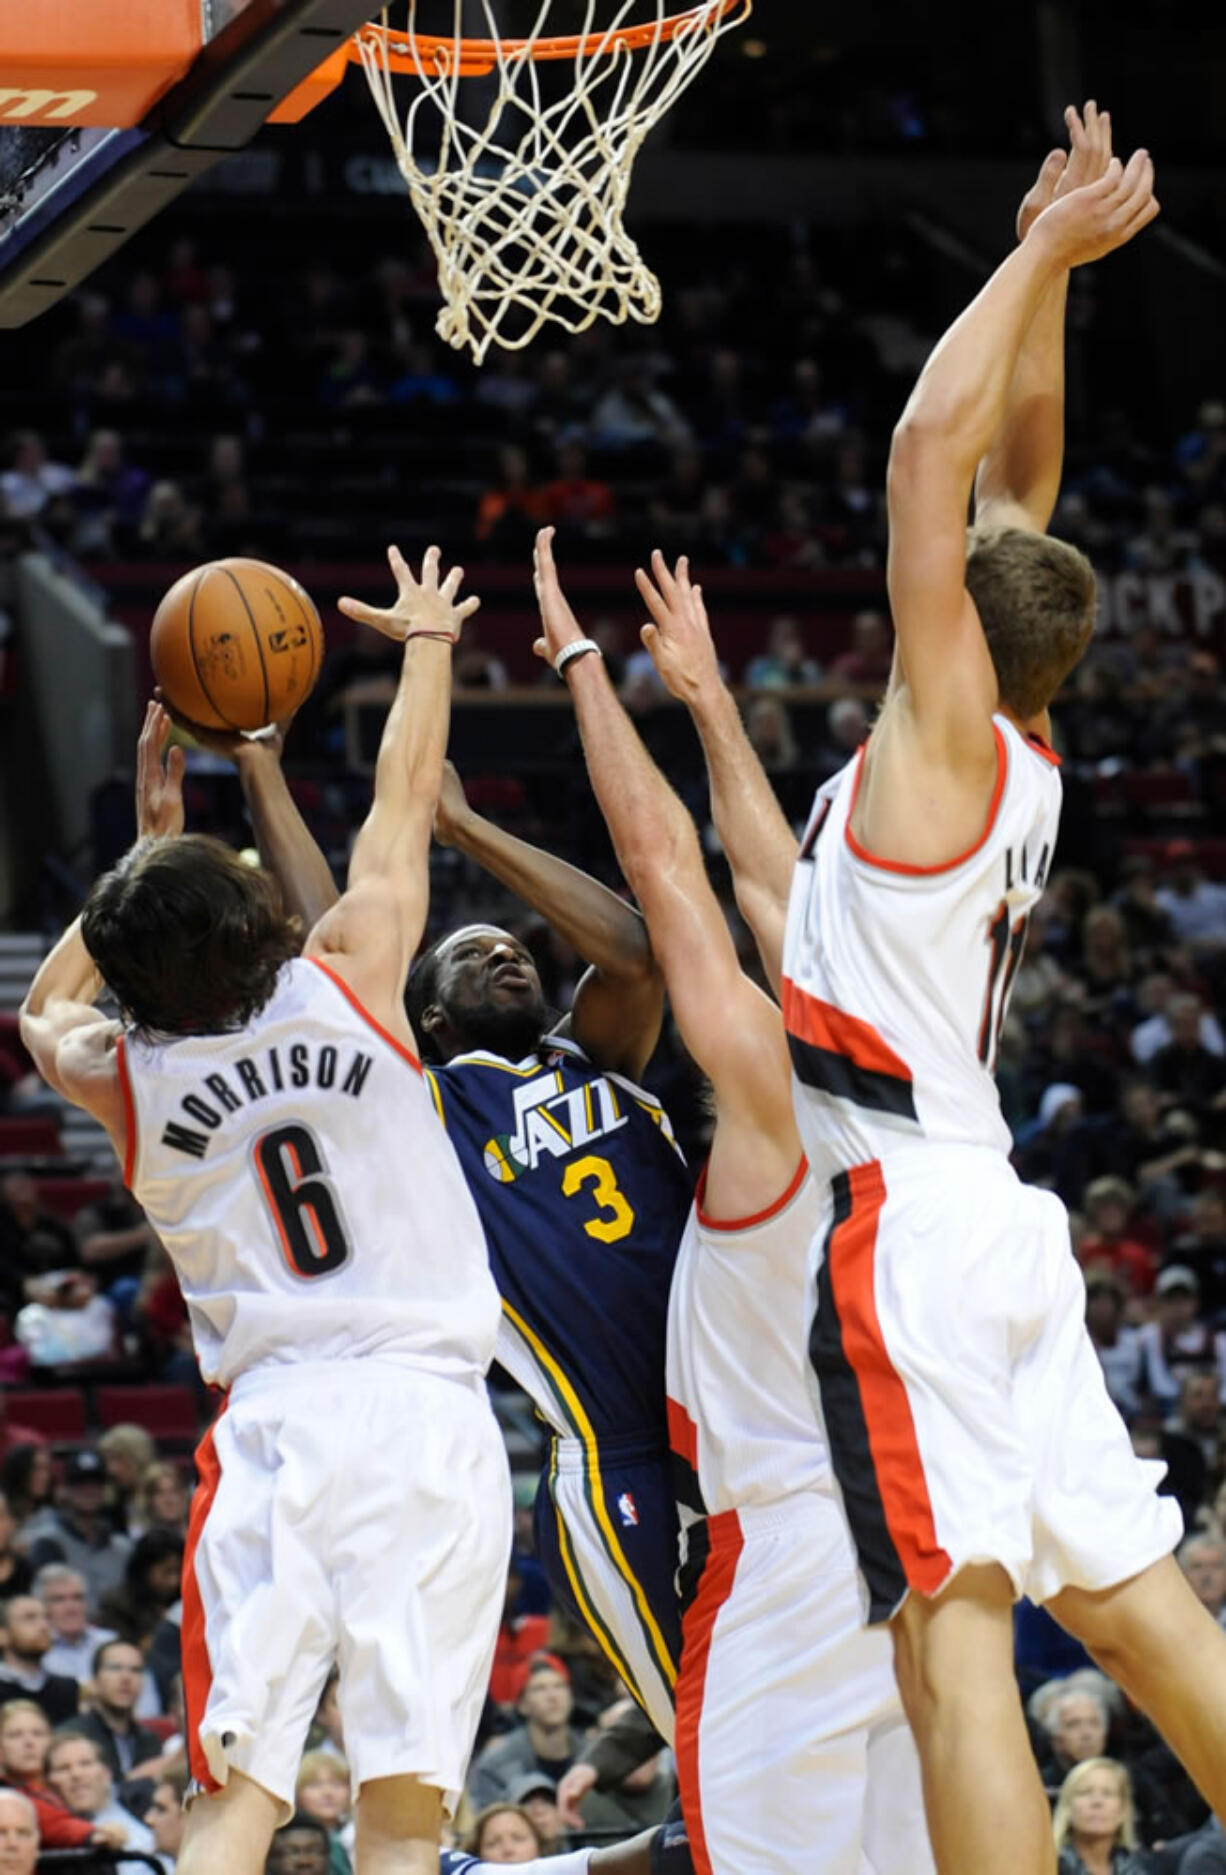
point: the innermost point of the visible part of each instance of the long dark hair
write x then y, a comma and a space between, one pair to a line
188, 938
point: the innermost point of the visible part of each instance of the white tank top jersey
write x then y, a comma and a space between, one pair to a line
897, 978
742, 1420
307, 1194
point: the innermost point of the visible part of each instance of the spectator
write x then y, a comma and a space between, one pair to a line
504, 1832
127, 1452
867, 664
509, 513
161, 1501
165, 1817
23, 1669
1185, 1068
11, 1433
109, 496
785, 663
80, 1531
1202, 1245
475, 667
151, 1586
1191, 1437
630, 1799
301, 1847
33, 1241
769, 729
636, 413
170, 525
1117, 1346
16, 1576
519, 1638
25, 1739
33, 480
68, 1322
577, 500
115, 1241
1195, 905
1203, 1561
544, 1742
74, 1638
1077, 1723
1154, 995
1175, 1342
25, 1477
1205, 1852
18, 1834
538, 1795
78, 1774
322, 1790
1094, 1827
1110, 1204
127, 1748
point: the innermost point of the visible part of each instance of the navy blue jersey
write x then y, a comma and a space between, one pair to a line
584, 1194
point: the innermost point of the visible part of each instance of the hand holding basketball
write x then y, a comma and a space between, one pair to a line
421, 606
159, 778
679, 641
1093, 221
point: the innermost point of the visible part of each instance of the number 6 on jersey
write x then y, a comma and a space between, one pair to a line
304, 1209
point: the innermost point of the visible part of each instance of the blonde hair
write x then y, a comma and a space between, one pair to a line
153, 1476
320, 1763
1062, 1821
131, 1442
13, 1707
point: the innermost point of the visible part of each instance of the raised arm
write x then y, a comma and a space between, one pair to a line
72, 1043
759, 844
952, 419
734, 1032
1019, 479
370, 934
619, 1004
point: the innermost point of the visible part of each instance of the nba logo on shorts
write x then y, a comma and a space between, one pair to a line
627, 1510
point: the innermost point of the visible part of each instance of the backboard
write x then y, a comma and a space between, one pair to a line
108, 112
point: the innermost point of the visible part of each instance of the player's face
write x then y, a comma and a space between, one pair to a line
489, 990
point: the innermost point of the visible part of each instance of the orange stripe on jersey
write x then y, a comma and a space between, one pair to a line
949, 865
823, 1026
129, 1110
682, 1434
759, 1217
406, 1054
697, 1628
1044, 749
197, 1667
897, 1464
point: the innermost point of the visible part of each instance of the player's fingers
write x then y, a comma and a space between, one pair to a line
467, 607
683, 574
176, 763
663, 577
429, 569
652, 599
649, 637
1104, 135
451, 585
540, 649
364, 614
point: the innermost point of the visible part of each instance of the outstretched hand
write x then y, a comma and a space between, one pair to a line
232, 743
1092, 221
421, 605
679, 641
1086, 160
559, 623
159, 778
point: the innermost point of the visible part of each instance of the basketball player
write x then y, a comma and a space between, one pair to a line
583, 1194
272, 1119
978, 1454
792, 1747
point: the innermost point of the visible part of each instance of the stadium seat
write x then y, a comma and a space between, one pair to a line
58, 1413
67, 1196
36, 1137
165, 1412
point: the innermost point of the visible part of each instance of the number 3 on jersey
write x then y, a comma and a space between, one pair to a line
617, 1219
301, 1203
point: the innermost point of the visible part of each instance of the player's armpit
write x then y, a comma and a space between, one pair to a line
616, 1020
73, 1047
369, 937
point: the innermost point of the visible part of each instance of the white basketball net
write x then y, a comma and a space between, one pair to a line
525, 208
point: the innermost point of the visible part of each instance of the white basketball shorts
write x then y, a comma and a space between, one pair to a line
966, 1410
792, 1749
348, 1512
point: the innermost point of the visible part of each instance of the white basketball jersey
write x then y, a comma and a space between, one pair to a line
897, 978
742, 1421
309, 1198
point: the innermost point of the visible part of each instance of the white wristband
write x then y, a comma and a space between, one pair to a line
578, 649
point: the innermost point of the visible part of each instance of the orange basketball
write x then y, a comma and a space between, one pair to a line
236, 644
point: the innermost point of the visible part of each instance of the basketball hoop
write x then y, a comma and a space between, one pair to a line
524, 208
